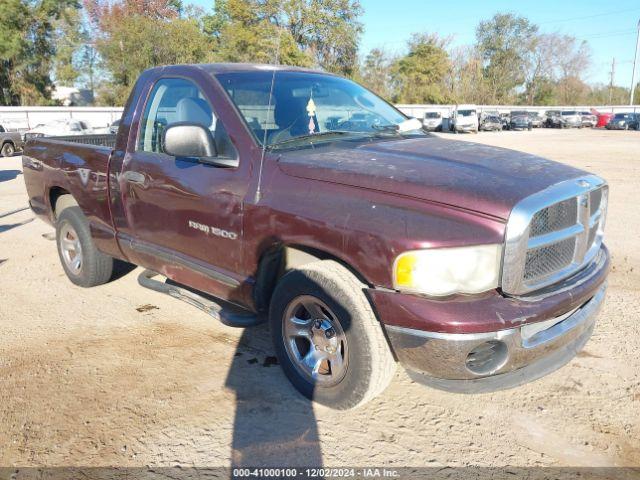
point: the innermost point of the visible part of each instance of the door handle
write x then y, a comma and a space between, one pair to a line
134, 177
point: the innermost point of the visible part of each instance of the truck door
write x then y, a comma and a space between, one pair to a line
183, 216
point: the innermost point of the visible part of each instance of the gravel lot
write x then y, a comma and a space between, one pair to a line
119, 375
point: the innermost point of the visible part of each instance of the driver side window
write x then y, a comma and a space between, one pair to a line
174, 100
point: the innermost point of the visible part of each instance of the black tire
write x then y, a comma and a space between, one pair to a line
8, 149
370, 365
96, 267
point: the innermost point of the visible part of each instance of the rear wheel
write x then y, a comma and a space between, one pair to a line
8, 149
83, 263
327, 338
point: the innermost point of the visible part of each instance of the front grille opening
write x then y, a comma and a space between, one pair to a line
555, 217
595, 199
547, 260
592, 235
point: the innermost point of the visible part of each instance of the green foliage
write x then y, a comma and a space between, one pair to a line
70, 38
108, 43
27, 45
135, 43
243, 36
312, 32
419, 76
504, 43
375, 73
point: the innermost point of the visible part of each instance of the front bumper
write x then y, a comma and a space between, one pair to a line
492, 342
524, 355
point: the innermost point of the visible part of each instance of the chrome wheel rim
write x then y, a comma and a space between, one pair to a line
315, 341
71, 248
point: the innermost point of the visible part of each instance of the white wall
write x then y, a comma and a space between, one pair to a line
25, 118
418, 110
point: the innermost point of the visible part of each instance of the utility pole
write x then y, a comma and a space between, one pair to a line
633, 73
611, 79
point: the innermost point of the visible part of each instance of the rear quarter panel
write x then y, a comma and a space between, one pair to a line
80, 170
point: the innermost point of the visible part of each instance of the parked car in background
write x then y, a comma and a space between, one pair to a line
505, 118
10, 142
113, 128
491, 123
520, 120
432, 121
536, 119
589, 119
623, 121
465, 119
552, 118
570, 119
603, 119
65, 127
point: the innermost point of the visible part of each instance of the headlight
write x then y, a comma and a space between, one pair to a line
444, 271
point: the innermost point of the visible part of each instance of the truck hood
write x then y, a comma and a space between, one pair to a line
467, 175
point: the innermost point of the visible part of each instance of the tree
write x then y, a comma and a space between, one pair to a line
320, 32
419, 76
242, 36
26, 48
70, 38
465, 81
539, 67
504, 43
375, 73
328, 29
601, 94
133, 35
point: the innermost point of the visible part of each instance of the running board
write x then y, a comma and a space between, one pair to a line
230, 316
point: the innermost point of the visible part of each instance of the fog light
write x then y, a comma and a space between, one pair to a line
487, 357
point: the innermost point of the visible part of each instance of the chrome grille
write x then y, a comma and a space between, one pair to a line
553, 234
543, 261
556, 217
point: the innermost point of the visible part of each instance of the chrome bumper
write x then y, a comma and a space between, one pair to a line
481, 362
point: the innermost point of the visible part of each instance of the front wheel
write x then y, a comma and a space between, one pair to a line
327, 338
83, 263
8, 150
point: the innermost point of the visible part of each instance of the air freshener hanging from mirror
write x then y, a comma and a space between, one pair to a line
311, 110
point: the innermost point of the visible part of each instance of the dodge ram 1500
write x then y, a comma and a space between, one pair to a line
300, 198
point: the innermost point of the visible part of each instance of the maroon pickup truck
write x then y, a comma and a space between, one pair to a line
299, 197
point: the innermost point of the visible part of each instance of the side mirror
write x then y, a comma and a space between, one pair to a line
188, 140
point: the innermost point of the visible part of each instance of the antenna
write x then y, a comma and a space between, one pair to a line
264, 140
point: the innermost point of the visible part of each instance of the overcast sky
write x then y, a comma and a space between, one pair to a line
609, 27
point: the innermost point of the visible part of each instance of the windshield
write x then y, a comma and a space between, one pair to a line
432, 115
310, 107
621, 116
569, 113
466, 113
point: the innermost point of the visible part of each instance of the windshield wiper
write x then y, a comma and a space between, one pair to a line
408, 125
311, 136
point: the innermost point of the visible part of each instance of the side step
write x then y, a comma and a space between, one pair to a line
225, 312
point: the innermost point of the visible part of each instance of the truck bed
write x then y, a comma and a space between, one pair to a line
99, 140
77, 165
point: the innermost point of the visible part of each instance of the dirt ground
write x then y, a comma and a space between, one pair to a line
119, 375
